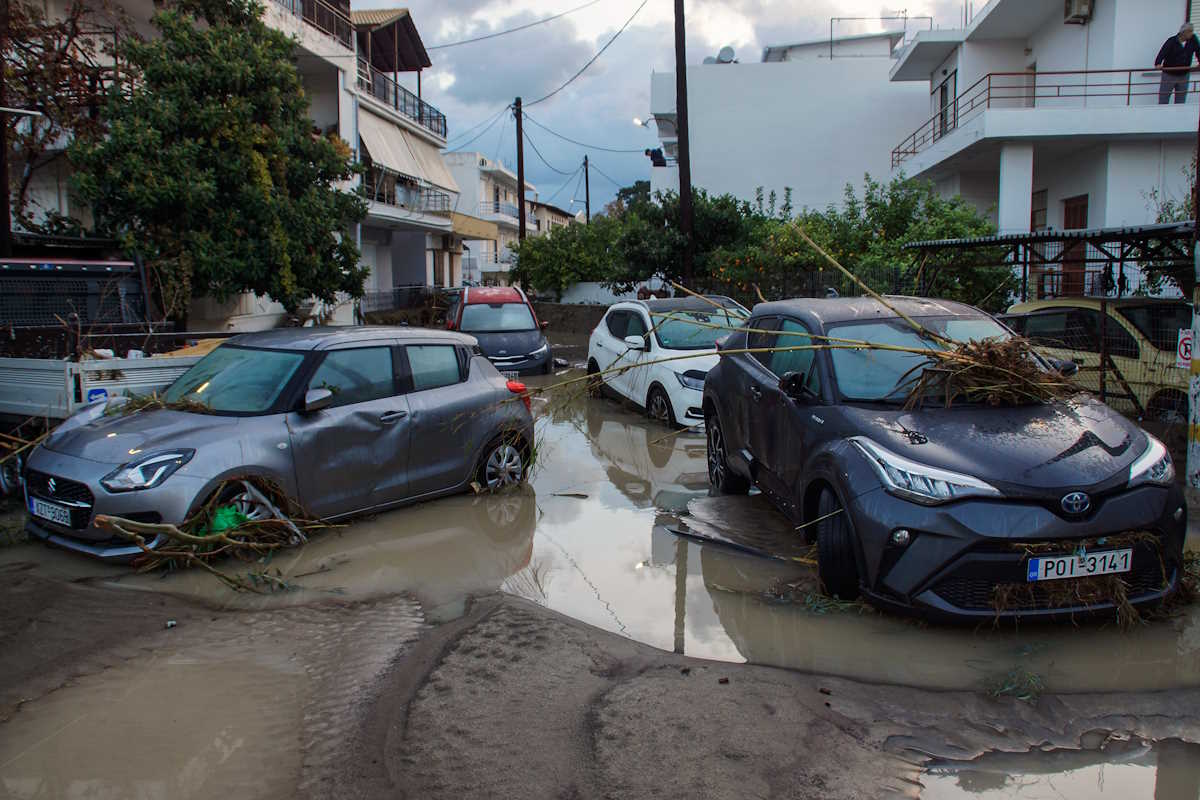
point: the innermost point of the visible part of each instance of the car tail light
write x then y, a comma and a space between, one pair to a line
516, 387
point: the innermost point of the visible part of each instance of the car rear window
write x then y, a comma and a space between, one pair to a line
433, 365
488, 317
1159, 323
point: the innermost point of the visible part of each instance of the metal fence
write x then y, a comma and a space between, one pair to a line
390, 93
326, 18
28, 301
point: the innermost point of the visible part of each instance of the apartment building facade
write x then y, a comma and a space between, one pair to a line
488, 190
354, 67
1046, 115
810, 117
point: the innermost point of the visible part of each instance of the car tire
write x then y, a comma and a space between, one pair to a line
837, 564
503, 464
658, 407
721, 476
10, 475
548, 367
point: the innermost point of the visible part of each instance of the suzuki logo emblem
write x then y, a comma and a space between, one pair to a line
1076, 503
51, 486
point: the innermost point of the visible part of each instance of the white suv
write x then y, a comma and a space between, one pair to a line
641, 334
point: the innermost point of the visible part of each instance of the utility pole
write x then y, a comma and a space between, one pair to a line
587, 193
520, 172
5, 189
685, 161
1193, 450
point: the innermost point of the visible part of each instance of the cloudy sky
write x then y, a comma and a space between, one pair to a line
473, 82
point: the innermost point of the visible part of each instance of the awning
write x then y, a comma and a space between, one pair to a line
387, 146
433, 168
470, 227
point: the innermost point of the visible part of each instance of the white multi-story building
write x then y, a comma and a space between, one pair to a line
1049, 118
811, 117
353, 66
488, 190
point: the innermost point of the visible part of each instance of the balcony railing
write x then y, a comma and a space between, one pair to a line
497, 207
1041, 90
390, 93
386, 187
326, 18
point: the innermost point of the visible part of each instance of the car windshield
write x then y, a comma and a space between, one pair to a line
869, 374
487, 317
236, 380
694, 330
1160, 323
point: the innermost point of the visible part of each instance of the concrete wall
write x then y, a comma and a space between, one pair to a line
1136, 170
864, 47
1065, 175
813, 125
569, 319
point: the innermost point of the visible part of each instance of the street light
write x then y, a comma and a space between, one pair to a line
645, 123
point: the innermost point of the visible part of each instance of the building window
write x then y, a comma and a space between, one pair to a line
946, 105
1037, 217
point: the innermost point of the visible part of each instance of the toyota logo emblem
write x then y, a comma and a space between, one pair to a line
51, 486
1076, 503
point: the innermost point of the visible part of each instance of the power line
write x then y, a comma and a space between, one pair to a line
494, 120
592, 60
575, 192
514, 30
543, 158
582, 144
601, 172
564, 185
499, 142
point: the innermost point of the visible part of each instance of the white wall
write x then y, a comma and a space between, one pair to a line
1064, 175
813, 126
1135, 169
872, 47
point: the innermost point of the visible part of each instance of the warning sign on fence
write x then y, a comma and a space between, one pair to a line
1183, 349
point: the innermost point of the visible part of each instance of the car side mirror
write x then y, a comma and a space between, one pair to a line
317, 399
544, 324
792, 384
635, 342
1064, 366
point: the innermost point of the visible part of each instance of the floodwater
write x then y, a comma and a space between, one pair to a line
590, 538
1166, 770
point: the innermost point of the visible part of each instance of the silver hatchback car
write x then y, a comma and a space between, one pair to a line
346, 420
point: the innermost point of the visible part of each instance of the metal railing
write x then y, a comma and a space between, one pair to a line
392, 94
324, 17
1042, 90
499, 207
383, 186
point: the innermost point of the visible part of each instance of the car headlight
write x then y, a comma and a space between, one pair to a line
691, 379
541, 351
147, 472
918, 482
1153, 466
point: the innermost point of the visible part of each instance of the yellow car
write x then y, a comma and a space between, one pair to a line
1142, 336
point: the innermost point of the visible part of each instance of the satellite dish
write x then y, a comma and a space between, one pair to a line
709, 60
726, 55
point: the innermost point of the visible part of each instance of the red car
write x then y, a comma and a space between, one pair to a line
502, 319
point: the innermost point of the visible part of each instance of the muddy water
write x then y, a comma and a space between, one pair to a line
590, 538
1167, 770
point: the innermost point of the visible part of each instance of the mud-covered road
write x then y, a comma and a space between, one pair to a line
561, 641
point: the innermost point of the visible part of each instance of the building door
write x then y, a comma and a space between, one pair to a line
1031, 86
946, 110
1075, 217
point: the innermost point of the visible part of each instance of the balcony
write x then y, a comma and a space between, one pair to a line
326, 18
391, 94
1045, 91
495, 209
382, 186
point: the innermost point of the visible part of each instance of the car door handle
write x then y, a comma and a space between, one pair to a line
388, 417
756, 393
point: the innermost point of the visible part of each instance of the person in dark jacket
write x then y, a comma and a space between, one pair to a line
1175, 60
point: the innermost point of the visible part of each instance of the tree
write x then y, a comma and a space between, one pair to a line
212, 170
567, 255
1159, 271
60, 67
628, 197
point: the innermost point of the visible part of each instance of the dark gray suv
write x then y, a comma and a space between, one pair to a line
963, 512
346, 420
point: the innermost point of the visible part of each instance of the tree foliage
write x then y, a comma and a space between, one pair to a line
210, 166
743, 248
61, 67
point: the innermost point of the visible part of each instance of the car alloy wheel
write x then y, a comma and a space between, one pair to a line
837, 564
720, 477
659, 407
504, 467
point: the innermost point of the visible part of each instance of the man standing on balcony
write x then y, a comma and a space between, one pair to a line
1175, 60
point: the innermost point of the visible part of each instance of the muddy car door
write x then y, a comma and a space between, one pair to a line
752, 380
448, 419
780, 428
353, 454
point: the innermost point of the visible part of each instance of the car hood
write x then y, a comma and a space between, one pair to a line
508, 343
116, 439
702, 360
1026, 450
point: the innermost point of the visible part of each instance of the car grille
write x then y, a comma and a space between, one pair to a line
972, 583
73, 494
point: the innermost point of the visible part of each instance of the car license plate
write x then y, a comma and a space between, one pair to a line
1106, 562
50, 511
510, 374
